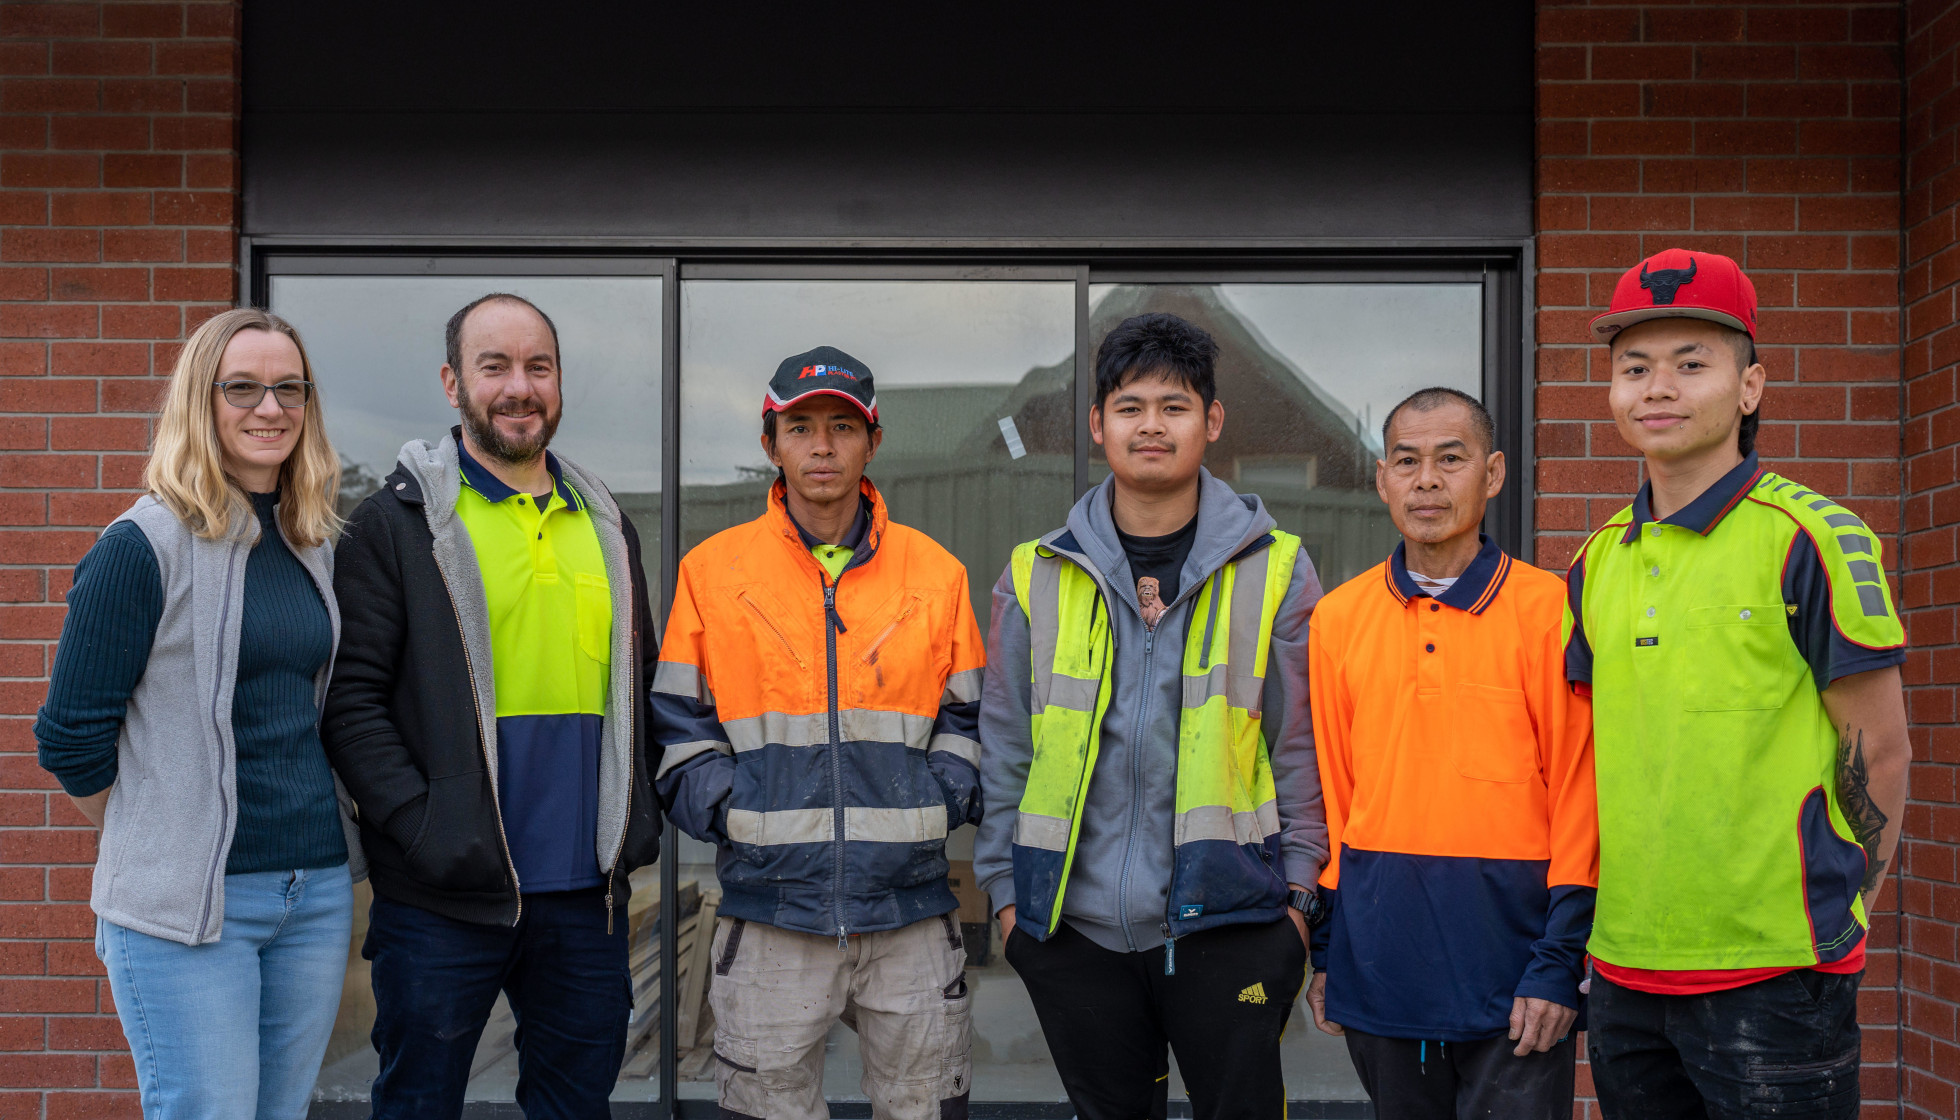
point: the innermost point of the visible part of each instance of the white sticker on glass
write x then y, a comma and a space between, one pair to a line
1012, 435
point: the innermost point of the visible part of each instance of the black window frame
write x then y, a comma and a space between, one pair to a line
1504, 268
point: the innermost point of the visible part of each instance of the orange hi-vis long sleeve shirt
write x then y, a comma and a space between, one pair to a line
1456, 765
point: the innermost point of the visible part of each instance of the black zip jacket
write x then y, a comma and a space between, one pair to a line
401, 724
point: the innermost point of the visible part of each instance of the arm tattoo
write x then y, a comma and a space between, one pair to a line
1867, 820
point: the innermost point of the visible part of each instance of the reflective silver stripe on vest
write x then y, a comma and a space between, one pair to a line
814, 826
1043, 596
1073, 693
1217, 822
813, 730
1032, 830
679, 753
1244, 684
962, 687
1198, 689
677, 678
959, 746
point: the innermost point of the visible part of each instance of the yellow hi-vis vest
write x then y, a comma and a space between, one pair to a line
1227, 865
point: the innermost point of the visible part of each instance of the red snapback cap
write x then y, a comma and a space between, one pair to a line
1681, 284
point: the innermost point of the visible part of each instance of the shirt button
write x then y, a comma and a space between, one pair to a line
1431, 647
520, 501
1656, 531
1650, 612
1654, 571
1434, 607
1745, 614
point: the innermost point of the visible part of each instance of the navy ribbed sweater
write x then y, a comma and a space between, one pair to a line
287, 814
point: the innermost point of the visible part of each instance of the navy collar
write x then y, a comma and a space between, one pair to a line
853, 540
1473, 591
479, 479
1707, 510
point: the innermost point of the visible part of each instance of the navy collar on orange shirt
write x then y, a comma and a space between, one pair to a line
479, 479
853, 540
1707, 510
1473, 591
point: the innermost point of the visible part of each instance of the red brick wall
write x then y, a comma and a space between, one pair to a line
1769, 132
118, 195
1930, 938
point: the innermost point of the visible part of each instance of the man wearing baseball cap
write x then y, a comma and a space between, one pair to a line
818, 699
1743, 652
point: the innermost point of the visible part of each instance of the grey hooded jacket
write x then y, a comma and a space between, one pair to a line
167, 829
1119, 884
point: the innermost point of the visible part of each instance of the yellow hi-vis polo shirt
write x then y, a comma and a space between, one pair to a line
551, 643
1707, 637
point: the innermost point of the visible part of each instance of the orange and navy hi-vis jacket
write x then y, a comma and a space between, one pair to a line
1456, 764
823, 735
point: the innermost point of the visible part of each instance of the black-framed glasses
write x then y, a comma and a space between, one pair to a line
248, 394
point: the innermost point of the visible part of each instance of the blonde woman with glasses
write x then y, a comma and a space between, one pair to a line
183, 720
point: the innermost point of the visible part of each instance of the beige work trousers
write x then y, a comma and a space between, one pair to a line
776, 992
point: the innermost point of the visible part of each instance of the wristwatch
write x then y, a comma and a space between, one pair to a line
1309, 905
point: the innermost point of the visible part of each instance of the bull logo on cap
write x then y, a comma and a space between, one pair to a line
1665, 283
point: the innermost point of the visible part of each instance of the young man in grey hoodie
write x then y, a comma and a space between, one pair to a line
1154, 819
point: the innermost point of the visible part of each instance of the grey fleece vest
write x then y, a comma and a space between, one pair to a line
168, 826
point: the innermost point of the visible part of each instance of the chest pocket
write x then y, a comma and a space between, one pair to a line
1504, 747
595, 617
1740, 654
896, 666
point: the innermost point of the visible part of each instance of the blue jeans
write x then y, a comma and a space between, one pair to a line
236, 1029
436, 979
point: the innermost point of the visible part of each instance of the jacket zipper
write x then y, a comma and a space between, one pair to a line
217, 728
482, 746
831, 626
1136, 793
871, 650
632, 741
783, 638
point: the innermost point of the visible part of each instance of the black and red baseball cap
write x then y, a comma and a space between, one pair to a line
825, 370
1681, 284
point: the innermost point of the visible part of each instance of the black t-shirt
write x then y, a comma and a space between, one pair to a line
1162, 557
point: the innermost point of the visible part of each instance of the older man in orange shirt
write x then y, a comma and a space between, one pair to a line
1456, 764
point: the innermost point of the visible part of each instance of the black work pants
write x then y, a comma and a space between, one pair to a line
1410, 1079
1786, 1046
1108, 1017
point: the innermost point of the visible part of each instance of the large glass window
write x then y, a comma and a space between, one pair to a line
376, 344
982, 374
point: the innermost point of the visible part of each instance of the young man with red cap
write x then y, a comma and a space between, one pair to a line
1749, 728
817, 697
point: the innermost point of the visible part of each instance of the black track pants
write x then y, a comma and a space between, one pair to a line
1108, 1017
1413, 1080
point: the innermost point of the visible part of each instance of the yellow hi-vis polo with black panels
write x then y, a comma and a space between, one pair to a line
550, 602
1707, 637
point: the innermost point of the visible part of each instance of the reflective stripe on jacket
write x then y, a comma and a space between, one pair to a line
822, 734
1227, 865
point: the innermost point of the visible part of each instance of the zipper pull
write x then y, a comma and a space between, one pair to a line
830, 606
1170, 951
843, 940
609, 904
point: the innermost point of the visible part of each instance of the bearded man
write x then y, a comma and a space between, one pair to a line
487, 712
